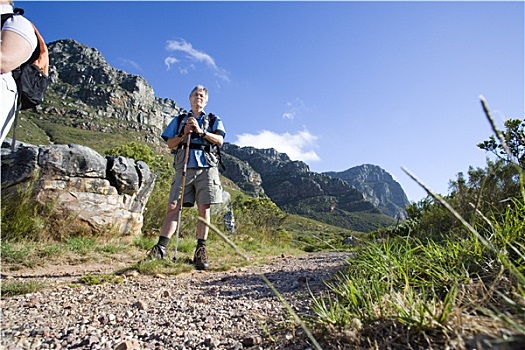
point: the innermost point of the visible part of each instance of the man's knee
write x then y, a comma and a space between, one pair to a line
172, 207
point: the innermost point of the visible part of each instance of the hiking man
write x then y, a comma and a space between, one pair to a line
202, 182
18, 41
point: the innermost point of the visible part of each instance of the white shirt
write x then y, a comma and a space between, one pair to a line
20, 25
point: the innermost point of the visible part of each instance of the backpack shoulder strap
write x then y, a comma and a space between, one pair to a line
16, 11
182, 119
210, 120
214, 148
5, 17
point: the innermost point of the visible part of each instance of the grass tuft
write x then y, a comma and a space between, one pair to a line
100, 279
12, 288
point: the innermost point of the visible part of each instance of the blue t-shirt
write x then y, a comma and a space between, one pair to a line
196, 157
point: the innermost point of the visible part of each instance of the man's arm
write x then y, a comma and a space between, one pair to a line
175, 141
214, 138
15, 49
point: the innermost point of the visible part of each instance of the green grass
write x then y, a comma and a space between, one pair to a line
425, 289
310, 235
12, 288
80, 245
29, 254
101, 278
38, 131
61, 134
28, 131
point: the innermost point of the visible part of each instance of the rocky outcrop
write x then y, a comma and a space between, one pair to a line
286, 182
102, 192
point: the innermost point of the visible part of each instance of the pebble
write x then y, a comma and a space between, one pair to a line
212, 310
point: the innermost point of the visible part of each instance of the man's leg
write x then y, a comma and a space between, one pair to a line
201, 258
169, 224
203, 229
209, 191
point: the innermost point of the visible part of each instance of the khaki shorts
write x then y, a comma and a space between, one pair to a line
202, 184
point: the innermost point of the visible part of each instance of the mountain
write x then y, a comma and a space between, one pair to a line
113, 107
296, 189
378, 187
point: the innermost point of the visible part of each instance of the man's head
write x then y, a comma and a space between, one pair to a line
198, 98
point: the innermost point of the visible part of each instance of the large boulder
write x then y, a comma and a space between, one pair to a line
104, 192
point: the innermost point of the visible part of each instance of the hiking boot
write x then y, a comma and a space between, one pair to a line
200, 259
158, 252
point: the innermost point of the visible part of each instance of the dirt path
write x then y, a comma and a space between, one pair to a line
232, 309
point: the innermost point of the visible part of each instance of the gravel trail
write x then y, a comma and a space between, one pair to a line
197, 310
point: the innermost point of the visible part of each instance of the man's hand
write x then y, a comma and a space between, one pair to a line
192, 126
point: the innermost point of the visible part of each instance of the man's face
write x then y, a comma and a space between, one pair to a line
198, 100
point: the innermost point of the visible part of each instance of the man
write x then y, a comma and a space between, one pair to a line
17, 43
202, 183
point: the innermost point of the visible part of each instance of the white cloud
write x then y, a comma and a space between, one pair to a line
129, 63
193, 55
168, 61
297, 146
294, 108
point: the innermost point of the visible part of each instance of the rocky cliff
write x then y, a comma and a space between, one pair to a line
87, 93
296, 189
378, 187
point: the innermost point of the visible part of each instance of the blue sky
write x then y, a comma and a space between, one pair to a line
334, 84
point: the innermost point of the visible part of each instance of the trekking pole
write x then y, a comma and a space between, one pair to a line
186, 156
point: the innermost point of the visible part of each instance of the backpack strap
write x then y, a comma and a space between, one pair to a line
5, 17
183, 119
210, 118
16, 11
208, 121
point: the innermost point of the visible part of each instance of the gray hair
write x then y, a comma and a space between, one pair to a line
199, 88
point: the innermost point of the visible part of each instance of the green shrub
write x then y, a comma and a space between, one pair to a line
260, 217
